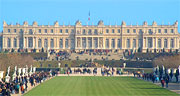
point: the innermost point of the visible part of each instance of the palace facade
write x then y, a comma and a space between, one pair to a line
80, 37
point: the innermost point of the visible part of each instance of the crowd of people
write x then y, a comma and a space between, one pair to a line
164, 79
21, 83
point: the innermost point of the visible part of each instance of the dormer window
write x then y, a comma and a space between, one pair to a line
112, 30
128, 31
15, 30
30, 31
52, 30
9, 30
107, 30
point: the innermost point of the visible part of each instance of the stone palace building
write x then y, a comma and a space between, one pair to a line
80, 37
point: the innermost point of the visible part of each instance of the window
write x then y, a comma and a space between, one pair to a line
140, 44
96, 42
52, 43
15, 42
159, 30
84, 31
39, 43
84, 42
119, 43
128, 43
165, 30
30, 31
172, 43
149, 42
39, 30
134, 30
113, 43
72, 30
60, 30
95, 32
30, 42
112, 30
9, 30
159, 43
45, 43
150, 32
134, 43
61, 43
107, 30
107, 43
140, 30
67, 43
66, 30
21, 30
89, 42
89, 32
119, 31
165, 43
45, 30
52, 30
9, 42
172, 31
15, 30
128, 31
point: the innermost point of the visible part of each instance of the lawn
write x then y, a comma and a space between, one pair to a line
98, 86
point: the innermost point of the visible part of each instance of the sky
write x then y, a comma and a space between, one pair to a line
69, 11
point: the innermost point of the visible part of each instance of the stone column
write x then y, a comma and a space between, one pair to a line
27, 43
144, 42
136, 43
17, 42
175, 43
131, 43
42, 42
168, 43
125, 43
36, 43
49, 45
64, 40
34, 40
58, 39
162, 43
110, 41
104, 43
81, 42
87, 43
116, 43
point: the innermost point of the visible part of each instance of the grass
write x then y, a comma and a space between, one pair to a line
98, 86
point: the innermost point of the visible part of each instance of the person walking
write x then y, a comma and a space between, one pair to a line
162, 82
167, 81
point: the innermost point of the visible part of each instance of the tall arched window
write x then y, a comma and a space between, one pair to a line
113, 43
30, 42
9, 42
128, 43
172, 43
107, 43
67, 43
52, 43
15, 42
134, 43
39, 43
165, 43
84, 42
119, 43
61, 43
96, 42
45, 43
159, 43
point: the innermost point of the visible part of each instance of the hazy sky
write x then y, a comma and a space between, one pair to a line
69, 11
